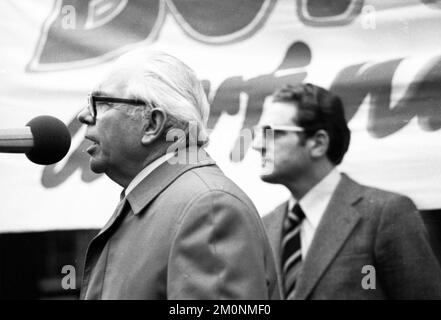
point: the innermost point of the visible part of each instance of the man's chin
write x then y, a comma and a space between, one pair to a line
267, 177
96, 166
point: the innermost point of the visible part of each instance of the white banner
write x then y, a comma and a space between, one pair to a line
382, 57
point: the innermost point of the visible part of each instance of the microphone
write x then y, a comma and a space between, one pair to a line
45, 140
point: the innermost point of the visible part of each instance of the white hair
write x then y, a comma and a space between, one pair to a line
166, 82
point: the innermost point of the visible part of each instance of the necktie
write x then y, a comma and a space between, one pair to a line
292, 250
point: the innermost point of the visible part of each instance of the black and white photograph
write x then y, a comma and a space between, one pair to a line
239, 150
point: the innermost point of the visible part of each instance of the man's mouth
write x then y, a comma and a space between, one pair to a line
90, 138
92, 148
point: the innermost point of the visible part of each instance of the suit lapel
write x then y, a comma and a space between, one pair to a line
338, 221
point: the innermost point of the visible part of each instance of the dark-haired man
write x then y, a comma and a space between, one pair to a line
336, 239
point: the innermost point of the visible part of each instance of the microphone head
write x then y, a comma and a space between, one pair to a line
51, 140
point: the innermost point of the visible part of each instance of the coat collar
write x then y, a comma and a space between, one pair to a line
274, 223
157, 181
164, 175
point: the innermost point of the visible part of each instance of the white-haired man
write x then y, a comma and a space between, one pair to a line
181, 230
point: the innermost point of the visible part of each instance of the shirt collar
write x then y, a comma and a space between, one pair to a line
315, 201
146, 171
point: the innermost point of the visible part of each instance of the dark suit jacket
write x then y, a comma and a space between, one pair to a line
364, 226
186, 232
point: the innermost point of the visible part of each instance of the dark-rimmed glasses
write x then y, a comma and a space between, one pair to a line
93, 100
262, 131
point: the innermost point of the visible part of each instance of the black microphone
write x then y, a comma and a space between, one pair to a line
45, 140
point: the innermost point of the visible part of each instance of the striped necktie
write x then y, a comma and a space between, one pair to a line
292, 250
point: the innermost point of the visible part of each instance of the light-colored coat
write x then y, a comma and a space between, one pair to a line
186, 232
363, 226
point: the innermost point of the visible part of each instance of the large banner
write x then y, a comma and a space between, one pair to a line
383, 57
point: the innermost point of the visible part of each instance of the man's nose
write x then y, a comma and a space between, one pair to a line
85, 117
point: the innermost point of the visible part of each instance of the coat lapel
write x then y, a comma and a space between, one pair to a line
274, 225
336, 225
115, 215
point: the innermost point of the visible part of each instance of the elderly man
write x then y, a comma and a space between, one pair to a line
335, 238
182, 229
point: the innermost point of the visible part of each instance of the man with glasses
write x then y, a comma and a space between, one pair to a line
182, 229
335, 238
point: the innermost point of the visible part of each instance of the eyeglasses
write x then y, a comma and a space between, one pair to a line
264, 130
94, 101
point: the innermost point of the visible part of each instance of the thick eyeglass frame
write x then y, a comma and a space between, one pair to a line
263, 129
92, 100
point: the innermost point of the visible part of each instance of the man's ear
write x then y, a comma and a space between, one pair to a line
319, 144
154, 127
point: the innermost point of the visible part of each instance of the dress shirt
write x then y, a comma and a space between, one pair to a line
314, 204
